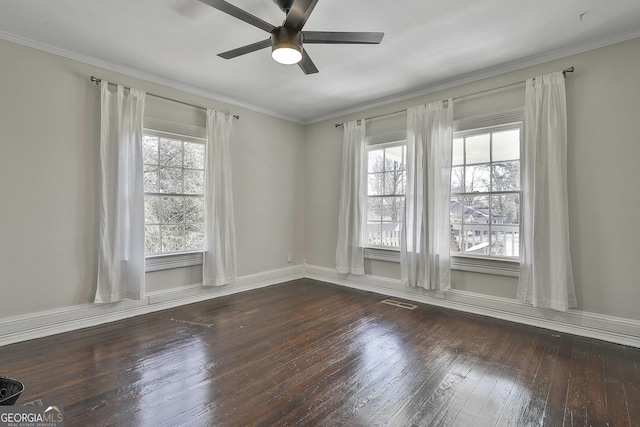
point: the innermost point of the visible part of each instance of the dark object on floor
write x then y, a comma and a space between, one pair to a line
10, 391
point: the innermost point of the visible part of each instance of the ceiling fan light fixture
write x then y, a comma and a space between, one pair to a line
286, 45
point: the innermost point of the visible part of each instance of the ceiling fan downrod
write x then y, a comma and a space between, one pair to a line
284, 5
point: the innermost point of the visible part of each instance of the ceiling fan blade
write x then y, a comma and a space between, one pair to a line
299, 13
236, 12
337, 37
245, 49
306, 64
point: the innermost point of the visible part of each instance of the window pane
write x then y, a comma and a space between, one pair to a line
151, 180
170, 152
455, 215
152, 239
395, 159
477, 178
457, 174
506, 176
455, 210
505, 219
505, 209
193, 181
194, 236
505, 242
170, 180
193, 155
376, 161
374, 233
172, 238
390, 234
394, 182
375, 184
458, 152
392, 208
152, 209
194, 209
374, 209
172, 209
150, 150
476, 210
506, 145
476, 218
477, 149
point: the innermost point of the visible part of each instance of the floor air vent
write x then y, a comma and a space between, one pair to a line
399, 304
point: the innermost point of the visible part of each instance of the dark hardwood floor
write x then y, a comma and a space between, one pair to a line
310, 353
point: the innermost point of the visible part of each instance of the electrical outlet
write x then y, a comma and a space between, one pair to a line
289, 258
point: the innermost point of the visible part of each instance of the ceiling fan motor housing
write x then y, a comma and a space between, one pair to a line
286, 38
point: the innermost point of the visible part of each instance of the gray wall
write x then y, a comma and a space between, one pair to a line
49, 136
603, 175
286, 179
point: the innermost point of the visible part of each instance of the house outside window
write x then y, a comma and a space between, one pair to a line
174, 193
485, 192
386, 178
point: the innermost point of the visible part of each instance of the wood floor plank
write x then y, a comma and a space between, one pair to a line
630, 370
540, 385
555, 404
526, 364
310, 353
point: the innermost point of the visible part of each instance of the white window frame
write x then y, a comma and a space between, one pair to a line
501, 266
159, 262
373, 142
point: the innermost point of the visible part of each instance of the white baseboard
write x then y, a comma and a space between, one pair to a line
591, 325
607, 328
51, 322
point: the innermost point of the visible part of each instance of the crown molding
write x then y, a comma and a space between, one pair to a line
376, 103
143, 75
478, 75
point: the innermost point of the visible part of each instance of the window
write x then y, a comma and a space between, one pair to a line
485, 192
174, 193
386, 177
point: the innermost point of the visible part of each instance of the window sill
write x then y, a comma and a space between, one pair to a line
169, 261
498, 267
382, 254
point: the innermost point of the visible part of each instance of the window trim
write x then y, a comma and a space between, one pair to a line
496, 265
161, 127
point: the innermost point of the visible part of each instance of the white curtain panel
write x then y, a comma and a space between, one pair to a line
425, 243
121, 246
546, 278
219, 263
351, 216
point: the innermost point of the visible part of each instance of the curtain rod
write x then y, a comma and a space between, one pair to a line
97, 81
564, 72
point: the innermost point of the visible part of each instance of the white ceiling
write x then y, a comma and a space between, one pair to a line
427, 44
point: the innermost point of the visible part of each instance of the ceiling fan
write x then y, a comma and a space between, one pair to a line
286, 40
